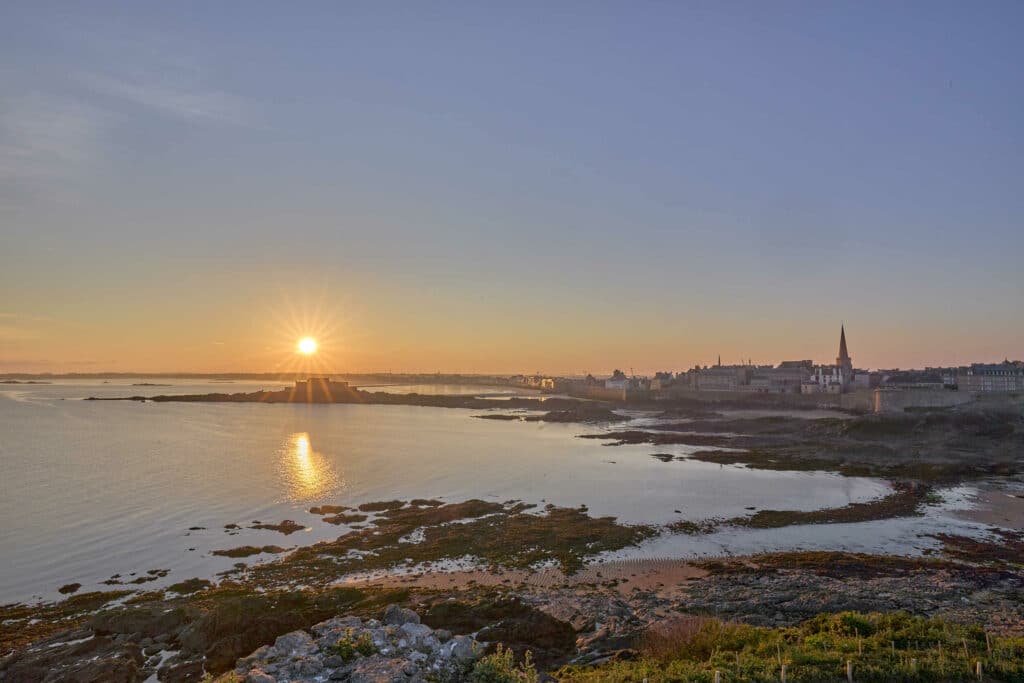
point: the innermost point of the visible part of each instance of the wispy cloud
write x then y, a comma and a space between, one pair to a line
11, 333
45, 136
191, 104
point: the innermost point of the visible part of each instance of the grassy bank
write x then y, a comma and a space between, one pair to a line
878, 647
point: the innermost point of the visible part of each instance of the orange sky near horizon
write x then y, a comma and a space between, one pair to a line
354, 336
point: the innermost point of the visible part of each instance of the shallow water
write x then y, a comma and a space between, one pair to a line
90, 489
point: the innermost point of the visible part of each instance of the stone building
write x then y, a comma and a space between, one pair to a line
1006, 377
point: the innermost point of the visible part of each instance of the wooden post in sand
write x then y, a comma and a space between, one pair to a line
849, 670
718, 676
782, 674
977, 670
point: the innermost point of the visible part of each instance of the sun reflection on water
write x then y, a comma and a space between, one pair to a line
306, 474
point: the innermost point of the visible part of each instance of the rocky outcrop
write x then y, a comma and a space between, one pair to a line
399, 648
518, 626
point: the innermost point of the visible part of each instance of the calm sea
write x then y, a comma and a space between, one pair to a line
90, 489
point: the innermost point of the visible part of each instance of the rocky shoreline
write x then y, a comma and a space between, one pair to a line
535, 587
368, 633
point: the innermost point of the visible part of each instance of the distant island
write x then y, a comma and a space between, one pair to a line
323, 390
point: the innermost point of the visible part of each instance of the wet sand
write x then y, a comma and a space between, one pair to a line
664, 576
998, 507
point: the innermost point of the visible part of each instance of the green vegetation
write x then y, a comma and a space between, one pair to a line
684, 526
20, 624
832, 563
348, 646
1006, 547
500, 534
342, 518
879, 647
903, 502
328, 509
192, 585
500, 667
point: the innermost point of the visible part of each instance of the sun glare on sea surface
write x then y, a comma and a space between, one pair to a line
307, 346
305, 473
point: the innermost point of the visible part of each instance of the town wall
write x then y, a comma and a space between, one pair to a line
897, 400
862, 400
598, 393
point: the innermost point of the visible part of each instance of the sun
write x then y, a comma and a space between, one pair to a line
306, 346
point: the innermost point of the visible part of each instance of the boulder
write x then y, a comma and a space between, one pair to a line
296, 642
376, 670
462, 648
396, 616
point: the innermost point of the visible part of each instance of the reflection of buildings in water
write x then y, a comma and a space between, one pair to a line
305, 474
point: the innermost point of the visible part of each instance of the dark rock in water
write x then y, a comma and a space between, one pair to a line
69, 588
381, 505
433, 503
328, 509
286, 527
345, 519
247, 550
584, 413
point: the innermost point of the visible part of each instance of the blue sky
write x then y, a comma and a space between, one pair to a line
510, 186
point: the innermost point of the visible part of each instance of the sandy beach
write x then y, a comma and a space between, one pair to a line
998, 506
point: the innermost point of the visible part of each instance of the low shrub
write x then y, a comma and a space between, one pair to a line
500, 667
349, 646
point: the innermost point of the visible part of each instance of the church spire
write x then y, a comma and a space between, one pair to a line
844, 362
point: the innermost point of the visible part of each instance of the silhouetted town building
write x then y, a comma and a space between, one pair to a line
1006, 377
